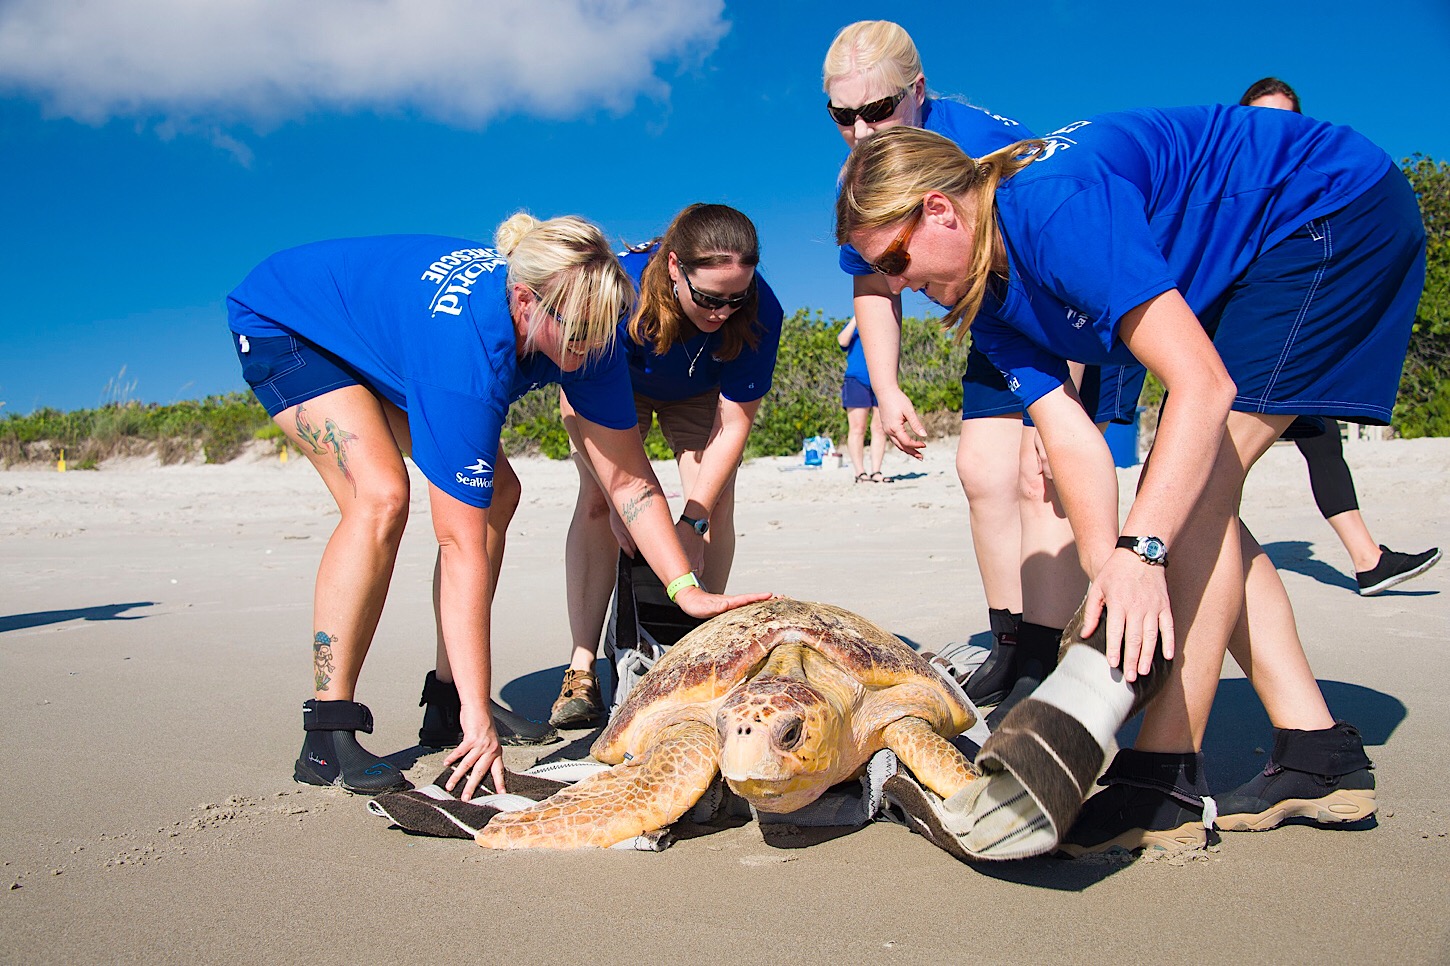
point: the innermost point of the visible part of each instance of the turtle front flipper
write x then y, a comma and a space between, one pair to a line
614, 806
936, 763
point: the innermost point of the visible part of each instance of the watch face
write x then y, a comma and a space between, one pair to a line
1153, 548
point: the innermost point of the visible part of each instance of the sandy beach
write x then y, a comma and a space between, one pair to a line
154, 629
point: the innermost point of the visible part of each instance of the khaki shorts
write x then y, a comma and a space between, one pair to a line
686, 423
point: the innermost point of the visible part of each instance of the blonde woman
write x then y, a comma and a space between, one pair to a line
1263, 266
365, 349
874, 81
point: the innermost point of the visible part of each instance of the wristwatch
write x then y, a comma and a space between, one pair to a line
701, 527
1152, 550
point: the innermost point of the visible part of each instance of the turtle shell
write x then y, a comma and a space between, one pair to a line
719, 654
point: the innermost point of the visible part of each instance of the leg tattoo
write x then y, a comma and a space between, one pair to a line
333, 436
322, 667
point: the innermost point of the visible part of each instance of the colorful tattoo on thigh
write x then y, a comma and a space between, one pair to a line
330, 438
322, 666
636, 505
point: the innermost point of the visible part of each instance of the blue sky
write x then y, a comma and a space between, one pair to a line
153, 151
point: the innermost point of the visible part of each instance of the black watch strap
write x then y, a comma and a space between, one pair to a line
1151, 550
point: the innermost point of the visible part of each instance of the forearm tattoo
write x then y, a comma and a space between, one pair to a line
636, 505
322, 667
331, 437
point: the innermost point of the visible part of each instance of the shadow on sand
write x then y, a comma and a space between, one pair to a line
103, 612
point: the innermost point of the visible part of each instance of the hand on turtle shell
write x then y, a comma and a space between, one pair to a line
1138, 615
700, 603
899, 420
478, 755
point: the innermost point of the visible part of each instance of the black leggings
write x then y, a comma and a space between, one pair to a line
1328, 473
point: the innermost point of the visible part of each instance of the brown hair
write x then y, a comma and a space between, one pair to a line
701, 236
889, 173
1267, 86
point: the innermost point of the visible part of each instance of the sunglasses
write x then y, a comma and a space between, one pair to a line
870, 113
707, 301
894, 260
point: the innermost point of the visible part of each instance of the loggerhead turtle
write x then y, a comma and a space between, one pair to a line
784, 698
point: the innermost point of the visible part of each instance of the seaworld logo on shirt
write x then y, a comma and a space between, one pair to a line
1075, 318
455, 273
1059, 141
482, 475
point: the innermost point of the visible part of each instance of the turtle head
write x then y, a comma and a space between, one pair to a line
783, 743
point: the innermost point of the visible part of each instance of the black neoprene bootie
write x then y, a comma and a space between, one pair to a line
1037, 648
991, 681
331, 755
1151, 800
443, 728
1323, 776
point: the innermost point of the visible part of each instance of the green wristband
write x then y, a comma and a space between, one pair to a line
680, 583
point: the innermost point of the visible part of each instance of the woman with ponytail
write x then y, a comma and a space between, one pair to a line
1262, 265
363, 350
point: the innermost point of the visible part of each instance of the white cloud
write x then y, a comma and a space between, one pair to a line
458, 61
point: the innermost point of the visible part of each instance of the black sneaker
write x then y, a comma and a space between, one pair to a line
1151, 801
1323, 776
1395, 568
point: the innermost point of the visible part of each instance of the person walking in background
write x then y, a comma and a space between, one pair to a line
363, 350
1377, 568
860, 404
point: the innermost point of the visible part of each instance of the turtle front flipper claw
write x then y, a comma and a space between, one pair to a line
629, 800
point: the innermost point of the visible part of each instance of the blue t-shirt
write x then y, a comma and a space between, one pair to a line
1125, 206
743, 379
856, 361
425, 320
974, 130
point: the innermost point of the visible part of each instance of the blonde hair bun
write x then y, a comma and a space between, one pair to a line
507, 236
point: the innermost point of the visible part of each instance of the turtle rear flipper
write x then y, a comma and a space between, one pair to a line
629, 800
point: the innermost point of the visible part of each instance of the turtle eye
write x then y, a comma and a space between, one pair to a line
788, 736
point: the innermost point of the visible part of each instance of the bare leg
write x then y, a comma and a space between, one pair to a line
507, 493
1349, 526
856, 420
590, 552
1207, 584
346, 436
720, 541
987, 468
1053, 580
878, 441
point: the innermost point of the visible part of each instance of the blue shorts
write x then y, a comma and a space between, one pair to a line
285, 370
855, 394
1318, 325
984, 391
1110, 393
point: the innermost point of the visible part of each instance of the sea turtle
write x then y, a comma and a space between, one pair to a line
784, 698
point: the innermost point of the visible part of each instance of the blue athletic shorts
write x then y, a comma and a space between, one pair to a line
855, 394
1319, 323
285, 370
984, 391
1110, 393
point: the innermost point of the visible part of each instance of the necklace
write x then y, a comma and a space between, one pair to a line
698, 354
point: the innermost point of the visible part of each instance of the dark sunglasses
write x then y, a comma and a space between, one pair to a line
894, 260
707, 301
870, 113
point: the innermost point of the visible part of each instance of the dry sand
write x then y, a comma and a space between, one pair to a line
153, 657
